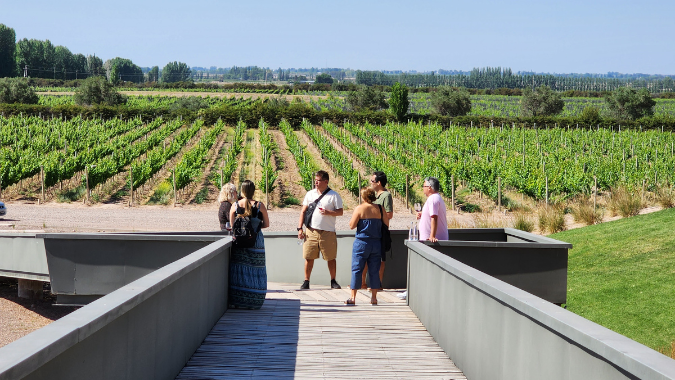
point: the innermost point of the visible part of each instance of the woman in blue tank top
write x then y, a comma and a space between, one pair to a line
367, 219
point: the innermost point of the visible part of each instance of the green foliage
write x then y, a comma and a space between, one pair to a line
627, 103
162, 194
153, 74
591, 115
523, 222
96, 90
94, 66
175, 72
303, 159
324, 78
366, 99
16, 90
124, 69
7, 51
451, 102
398, 102
541, 102
268, 170
620, 276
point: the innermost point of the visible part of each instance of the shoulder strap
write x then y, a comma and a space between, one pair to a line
321, 196
381, 214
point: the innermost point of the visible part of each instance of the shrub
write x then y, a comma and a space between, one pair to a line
16, 90
541, 102
626, 103
366, 99
96, 90
448, 101
624, 202
591, 115
551, 219
162, 194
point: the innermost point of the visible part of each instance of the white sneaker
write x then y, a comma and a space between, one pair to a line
403, 295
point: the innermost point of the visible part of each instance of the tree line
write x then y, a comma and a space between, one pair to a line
498, 78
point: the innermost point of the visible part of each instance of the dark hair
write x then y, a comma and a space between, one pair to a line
247, 191
368, 195
381, 178
323, 174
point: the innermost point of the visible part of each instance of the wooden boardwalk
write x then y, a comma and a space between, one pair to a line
313, 335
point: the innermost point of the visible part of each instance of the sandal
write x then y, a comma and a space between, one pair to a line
350, 301
374, 303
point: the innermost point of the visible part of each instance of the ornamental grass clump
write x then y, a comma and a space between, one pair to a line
624, 202
551, 219
523, 222
585, 212
664, 197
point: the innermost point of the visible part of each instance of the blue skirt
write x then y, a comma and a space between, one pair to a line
248, 276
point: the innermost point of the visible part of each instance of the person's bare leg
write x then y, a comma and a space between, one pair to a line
331, 269
354, 295
309, 265
382, 272
363, 277
373, 296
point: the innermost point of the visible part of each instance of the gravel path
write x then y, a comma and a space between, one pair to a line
75, 217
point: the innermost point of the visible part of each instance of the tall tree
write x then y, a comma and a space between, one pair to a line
95, 66
63, 61
37, 55
398, 102
175, 72
7, 51
153, 74
125, 69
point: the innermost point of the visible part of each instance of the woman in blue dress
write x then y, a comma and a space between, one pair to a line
367, 219
248, 276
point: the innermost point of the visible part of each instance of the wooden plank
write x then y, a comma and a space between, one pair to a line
312, 334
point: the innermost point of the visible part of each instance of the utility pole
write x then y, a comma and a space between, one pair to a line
25, 71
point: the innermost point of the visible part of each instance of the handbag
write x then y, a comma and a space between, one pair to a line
386, 235
311, 207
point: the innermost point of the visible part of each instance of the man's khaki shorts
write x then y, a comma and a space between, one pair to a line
318, 240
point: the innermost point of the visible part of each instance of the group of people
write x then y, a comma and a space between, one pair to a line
316, 227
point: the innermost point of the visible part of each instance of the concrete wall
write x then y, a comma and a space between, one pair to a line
23, 256
85, 267
493, 330
285, 262
147, 329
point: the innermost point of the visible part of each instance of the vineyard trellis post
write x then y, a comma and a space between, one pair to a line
175, 198
86, 180
452, 190
407, 200
499, 194
42, 182
131, 184
595, 192
547, 190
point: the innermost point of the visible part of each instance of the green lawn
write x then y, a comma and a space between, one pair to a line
622, 276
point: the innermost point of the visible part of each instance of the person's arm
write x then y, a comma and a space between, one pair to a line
386, 217
337, 212
356, 215
301, 234
389, 206
434, 225
266, 219
233, 209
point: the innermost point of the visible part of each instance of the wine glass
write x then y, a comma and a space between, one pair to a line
418, 207
228, 228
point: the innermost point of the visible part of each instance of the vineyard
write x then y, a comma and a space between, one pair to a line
165, 161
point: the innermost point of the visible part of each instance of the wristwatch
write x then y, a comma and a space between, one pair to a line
299, 228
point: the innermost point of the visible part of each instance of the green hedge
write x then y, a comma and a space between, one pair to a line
295, 112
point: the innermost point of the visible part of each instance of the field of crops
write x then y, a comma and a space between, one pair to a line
554, 163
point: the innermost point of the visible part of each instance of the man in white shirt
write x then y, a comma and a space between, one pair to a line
320, 234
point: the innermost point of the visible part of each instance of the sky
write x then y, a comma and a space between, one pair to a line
573, 36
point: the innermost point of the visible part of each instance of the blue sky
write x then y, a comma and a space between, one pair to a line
544, 36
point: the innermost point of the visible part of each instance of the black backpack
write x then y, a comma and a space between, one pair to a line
243, 233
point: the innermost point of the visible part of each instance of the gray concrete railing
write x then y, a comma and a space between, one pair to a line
147, 329
493, 330
23, 256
